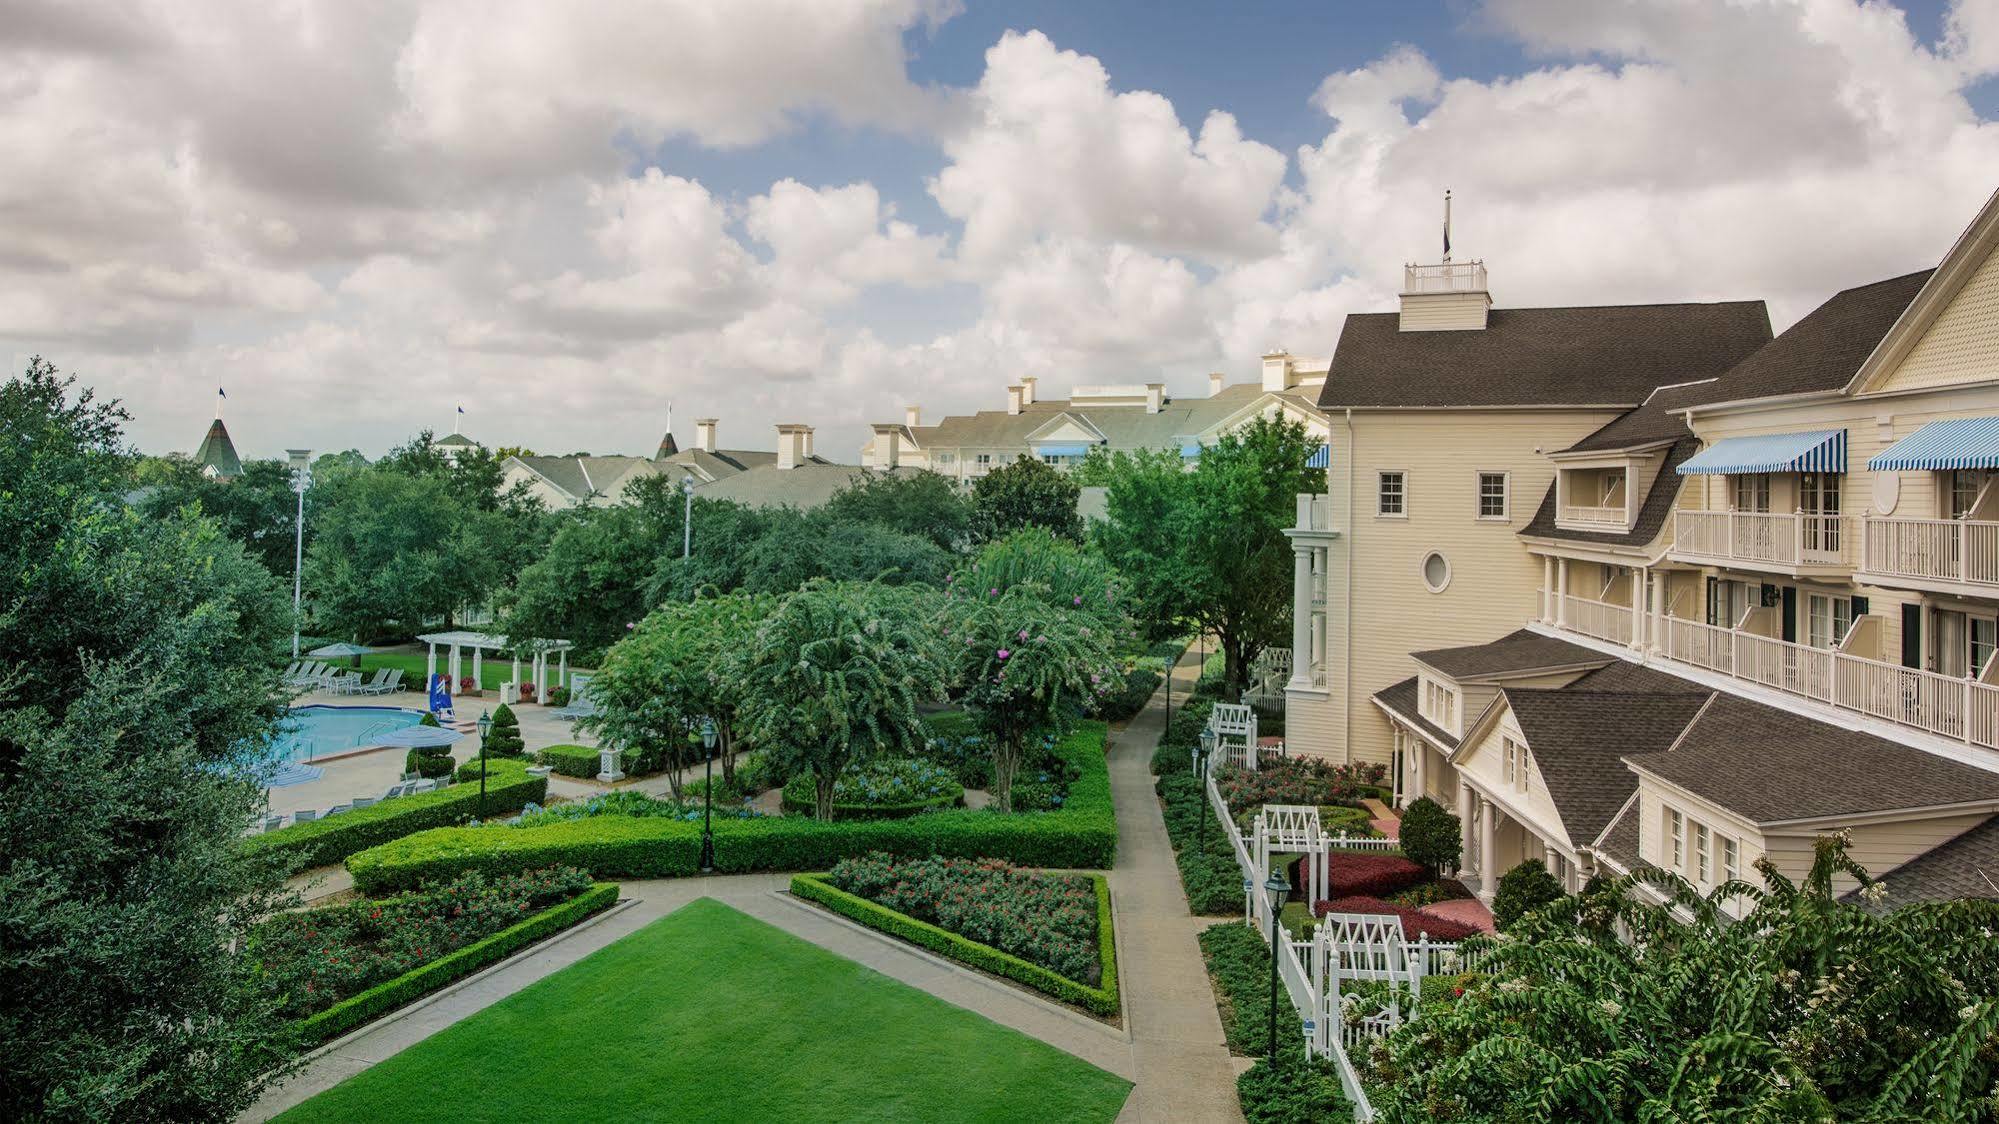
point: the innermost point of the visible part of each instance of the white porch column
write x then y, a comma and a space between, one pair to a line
563, 657
1638, 607
1301, 616
1547, 587
1418, 780
430, 676
1488, 878
1465, 809
1658, 608
477, 677
456, 665
1561, 591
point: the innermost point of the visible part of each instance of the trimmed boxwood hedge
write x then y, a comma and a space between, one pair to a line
801, 795
582, 760
1083, 834
1101, 1000
419, 982
320, 842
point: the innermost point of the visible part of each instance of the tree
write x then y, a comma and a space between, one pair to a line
1145, 492
834, 675
925, 504
395, 550
1026, 493
1522, 890
1064, 573
681, 664
257, 509
588, 585
504, 739
1430, 835
142, 685
1807, 1008
739, 549
1210, 548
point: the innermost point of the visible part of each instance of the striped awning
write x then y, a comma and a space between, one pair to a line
1063, 450
1817, 450
1943, 445
1322, 457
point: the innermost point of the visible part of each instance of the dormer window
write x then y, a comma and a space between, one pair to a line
1596, 496
1439, 704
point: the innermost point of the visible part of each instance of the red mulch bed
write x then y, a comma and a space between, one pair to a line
1414, 922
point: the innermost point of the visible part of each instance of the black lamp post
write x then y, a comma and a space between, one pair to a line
708, 799
1278, 888
1204, 748
485, 727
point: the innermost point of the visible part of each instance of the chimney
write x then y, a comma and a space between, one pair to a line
912, 416
793, 441
1276, 369
1446, 297
704, 434
1027, 390
808, 454
1155, 396
1014, 396
888, 446
1215, 380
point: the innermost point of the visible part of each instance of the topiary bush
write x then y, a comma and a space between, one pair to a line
884, 789
429, 762
1303, 1091
429, 720
1522, 890
1430, 835
504, 739
1369, 874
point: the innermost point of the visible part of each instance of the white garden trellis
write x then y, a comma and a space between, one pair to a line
1234, 725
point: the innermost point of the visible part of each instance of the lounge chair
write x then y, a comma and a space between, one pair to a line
361, 802
272, 823
343, 683
337, 809
580, 705
386, 681
304, 815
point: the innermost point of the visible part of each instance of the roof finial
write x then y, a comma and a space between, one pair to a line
1447, 224
220, 398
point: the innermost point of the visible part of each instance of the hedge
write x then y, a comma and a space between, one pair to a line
1239, 964
1083, 834
419, 982
582, 760
320, 842
801, 795
1102, 1000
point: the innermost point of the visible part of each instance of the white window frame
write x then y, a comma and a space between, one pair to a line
1758, 491
1703, 853
1423, 570
1523, 764
1509, 759
983, 460
1676, 840
1731, 858
947, 458
1505, 496
1829, 617
1401, 493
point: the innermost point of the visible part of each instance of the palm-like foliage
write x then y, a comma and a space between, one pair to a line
1806, 1008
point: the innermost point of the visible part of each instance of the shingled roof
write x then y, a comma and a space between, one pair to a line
1602, 355
1965, 867
1401, 698
1652, 515
1579, 738
1520, 652
217, 453
1824, 350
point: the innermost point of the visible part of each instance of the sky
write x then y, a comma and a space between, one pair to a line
358, 216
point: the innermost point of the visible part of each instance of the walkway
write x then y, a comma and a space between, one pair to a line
1171, 1046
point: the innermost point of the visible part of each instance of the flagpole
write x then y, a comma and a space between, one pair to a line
1447, 225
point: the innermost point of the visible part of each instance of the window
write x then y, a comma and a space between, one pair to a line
1436, 571
983, 460
1964, 486
1726, 602
1731, 859
1676, 840
1827, 619
1818, 502
1610, 489
1752, 492
1061, 460
1440, 704
1389, 495
946, 458
1509, 760
1984, 632
1703, 849
1492, 495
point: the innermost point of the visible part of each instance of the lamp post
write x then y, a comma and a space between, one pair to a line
1204, 747
301, 462
687, 517
485, 727
1278, 888
708, 799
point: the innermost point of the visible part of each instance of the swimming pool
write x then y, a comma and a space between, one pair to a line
315, 731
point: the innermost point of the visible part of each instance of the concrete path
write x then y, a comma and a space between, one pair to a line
1171, 1045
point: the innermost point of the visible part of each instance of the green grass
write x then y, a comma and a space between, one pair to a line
415, 665
707, 1014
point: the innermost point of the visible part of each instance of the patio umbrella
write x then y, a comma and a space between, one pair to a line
340, 650
419, 737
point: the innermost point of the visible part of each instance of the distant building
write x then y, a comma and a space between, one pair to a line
216, 455
565, 482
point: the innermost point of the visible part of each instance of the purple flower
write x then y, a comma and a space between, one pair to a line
1003, 653
993, 592
1022, 634
1075, 600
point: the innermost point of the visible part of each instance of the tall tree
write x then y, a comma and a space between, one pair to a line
588, 584
141, 683
395, 550
257, 509
1026, 493
926, 504
1144, 492
834, 677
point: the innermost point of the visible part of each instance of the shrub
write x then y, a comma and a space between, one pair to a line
319, 842
1045, 919
1298, 780
1210, 878
429, 720
1337, 818
583, 761
504, 739
558, 696
627, 802
888, 788
1522, 890
427, 765
1303, 1091
1082, 835
1415, 923
1430, 835
1368, 874
951, 740
1122, 704
1239, 964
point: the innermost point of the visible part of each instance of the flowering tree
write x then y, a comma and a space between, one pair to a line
834, 675
1808, 1008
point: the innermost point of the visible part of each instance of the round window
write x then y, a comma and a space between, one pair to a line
1436, 571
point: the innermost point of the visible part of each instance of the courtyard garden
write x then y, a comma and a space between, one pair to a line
808, 1035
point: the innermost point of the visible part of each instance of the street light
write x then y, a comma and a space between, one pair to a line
485, 727
1204, 747
1278, 888
301, 462
708, 799
687, 517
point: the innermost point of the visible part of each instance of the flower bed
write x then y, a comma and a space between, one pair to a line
886, 789
1238, 961
634, 804
1415, 923
1053, 933
1082, 834
1298, 780
340, 965
319, 842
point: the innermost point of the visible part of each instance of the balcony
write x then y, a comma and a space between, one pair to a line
1939, 555
1444, 277
1599, 619
1314, 517
1793, 543
1613, 518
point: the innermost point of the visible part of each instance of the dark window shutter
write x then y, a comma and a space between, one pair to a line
1912, 635
1859, 607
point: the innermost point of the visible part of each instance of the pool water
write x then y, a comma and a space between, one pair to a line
315, 731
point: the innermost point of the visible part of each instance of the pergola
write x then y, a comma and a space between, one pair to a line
538, 650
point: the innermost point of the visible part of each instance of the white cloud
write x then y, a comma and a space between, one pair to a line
829, 242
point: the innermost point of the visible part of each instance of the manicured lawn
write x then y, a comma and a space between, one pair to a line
493, 671
708, 1014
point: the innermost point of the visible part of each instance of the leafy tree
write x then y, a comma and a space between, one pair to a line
1064, 573
1430, 835
681, 664
257, 509
588, 585
1522, 890
1807, 1008
142, 682
1145, 491
739, 549
925, 504
395, 550
1026, 493
1207, 547
504, 739
834, 677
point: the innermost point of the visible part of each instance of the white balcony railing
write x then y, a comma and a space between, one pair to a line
1444, 277
1314, 514
1597, 618
1793, 539
1936, 550
1574, 515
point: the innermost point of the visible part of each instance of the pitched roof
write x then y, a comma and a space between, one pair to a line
1123, 426
1619, 841
1824, 350
1520, 652
1967, 866
1401, 698
454, 439
217, 453
1579, 738
1652, 514
582, 476
1608, 355
721, 462
1771, 766
667, 447
806, 486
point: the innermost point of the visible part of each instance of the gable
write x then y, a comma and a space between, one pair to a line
1067, 428
1959, 346
1270, 405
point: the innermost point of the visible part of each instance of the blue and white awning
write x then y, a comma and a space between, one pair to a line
1943, 445
1063, 450
1322, 457
1818, 450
